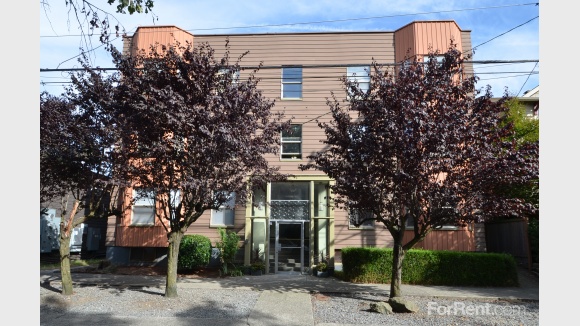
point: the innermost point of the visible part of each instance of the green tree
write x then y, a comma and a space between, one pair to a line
526, 130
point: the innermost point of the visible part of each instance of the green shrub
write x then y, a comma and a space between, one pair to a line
194, 251
427, 267
228, 247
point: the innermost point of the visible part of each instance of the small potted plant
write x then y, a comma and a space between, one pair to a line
257, 264
257, 268
321, 267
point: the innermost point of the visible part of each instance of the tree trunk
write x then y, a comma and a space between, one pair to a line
66, 228
396, 276
172, 255
65, 275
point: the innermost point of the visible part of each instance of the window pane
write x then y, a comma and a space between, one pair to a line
217, 217
143, 197
363, 87
143, 215
360, 75
290, 191
222, 217
291, 148
292, 91
295, 131
361, 72
357, 215
229, 217
293, 74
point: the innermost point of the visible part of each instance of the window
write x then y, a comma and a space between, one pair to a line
233, 74
223, 75
292, 142
438, 58
290, 201
175, 198
357, 215
143, 207
447, 210
224, 216
360, 75
292, 82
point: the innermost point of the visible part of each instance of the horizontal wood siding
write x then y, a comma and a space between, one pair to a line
467, 51
202, 225
345, 237
457, 240
274, 50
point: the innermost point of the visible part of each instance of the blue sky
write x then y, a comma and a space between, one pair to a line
487, 20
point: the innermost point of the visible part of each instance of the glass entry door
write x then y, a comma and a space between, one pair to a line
289, 246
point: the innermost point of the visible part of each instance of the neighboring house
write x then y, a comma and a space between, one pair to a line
295, 221
87, 239
531, 101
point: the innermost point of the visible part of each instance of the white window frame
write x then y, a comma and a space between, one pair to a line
291, 81
291, 140
360, 74
368, 225
226, 210
144, 206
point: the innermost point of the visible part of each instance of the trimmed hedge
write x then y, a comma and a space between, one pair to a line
427, 267
194, 251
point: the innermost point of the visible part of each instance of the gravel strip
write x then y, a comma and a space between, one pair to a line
94, 302
149, 302
354, 309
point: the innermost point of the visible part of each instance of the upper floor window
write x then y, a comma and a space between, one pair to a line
356, 216
360, 75
225, 77
292, 142
143, 212
438, 59
224, 216
292, 82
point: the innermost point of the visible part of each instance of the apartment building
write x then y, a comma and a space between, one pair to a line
294, 222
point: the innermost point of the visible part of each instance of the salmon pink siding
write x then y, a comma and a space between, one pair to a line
459, 240
324, 58
144, 37
418, 37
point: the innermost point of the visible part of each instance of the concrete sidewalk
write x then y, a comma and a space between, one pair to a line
529, 289
287, 298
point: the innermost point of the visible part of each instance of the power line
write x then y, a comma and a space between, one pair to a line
520, 25
339, 20
531, 72
311, 65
